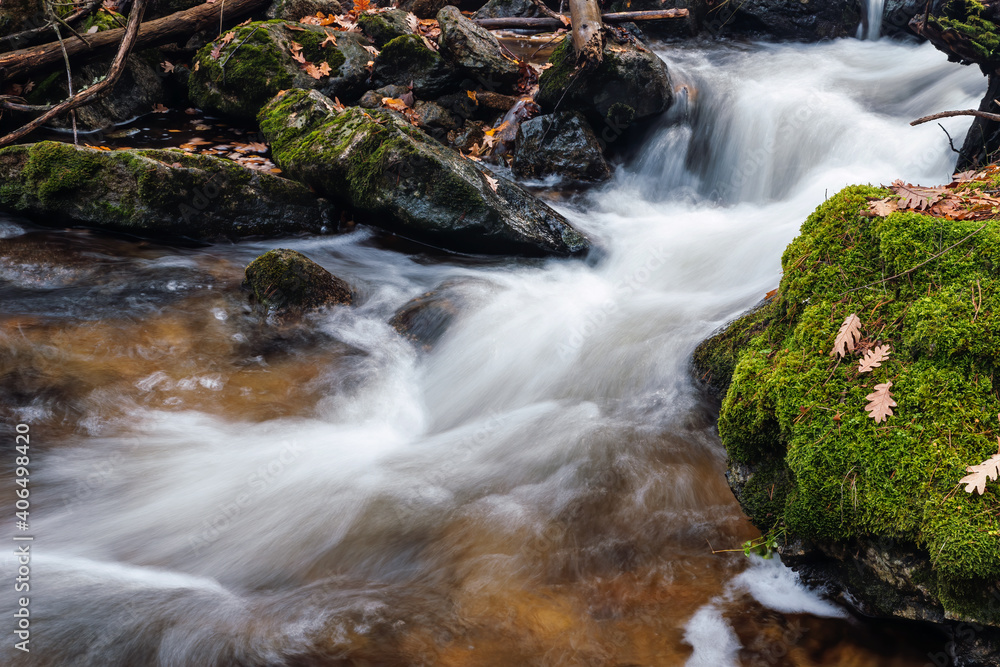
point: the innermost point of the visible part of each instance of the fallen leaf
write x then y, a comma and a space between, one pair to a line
428, 43
873, 358
167, 66
372, 50
394, 104
216, 52
771, 294
915, 197
247, 22
93, 29
296, 50
964, 177
492, 182
880, 403
324, 69
198, 65
296, 28
28, 87
883, 207
472, 95
361, 6
337, 104
330, 39
159, 108
312, 70
191, 111
201, 127
198, 141
228, 37
978, 475
847, 337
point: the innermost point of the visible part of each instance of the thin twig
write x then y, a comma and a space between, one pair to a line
34, 32
965, 112
551, 14
929, 259
69, 79
70, 28
96, 91
950, 142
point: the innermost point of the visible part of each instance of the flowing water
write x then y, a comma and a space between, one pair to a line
543, 486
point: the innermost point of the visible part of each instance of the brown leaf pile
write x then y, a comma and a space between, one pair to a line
969, 196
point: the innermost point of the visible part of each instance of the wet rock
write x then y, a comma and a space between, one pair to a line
406, 61
425, 9
286, 281
137, 92
560, 144
809, 20
631, 83
471, 134
153, 193
396, 177
17, 16
383, 27
426, 318
434, 116
258, 62
475, 52
296, 10
502, 9
373, 98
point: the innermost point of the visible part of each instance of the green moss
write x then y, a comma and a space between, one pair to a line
55, 171
555, 79
409, 51
383, 28
796, 415
285, 279
103, 20
973, 24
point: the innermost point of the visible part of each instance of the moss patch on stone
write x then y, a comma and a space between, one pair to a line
973, 22
795, 415
286, 281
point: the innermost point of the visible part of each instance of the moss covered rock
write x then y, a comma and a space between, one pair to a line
407, 61
396, 177
286, 281
425, 9
806, 459
296, 10
19, 15
154, 193
476, 52
560, 144
383, 27
257, 62
631, 83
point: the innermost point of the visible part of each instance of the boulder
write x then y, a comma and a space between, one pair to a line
138, 90
433, 115
383, 27
425, 9
874, 509
476, 52
239, 77
502, 9
396, 177
426, 318
560, 144
152, 193
406, 61
808, 21
296, 10
632, 83
286, 281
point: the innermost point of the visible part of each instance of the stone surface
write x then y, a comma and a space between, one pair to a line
406, 60
296, 10
396, 177
475, 52
257, 63
286, 281
165, 194
383, 27
560, 144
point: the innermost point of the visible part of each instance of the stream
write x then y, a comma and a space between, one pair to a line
542, 486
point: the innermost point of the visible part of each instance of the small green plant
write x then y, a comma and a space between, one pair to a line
765, 545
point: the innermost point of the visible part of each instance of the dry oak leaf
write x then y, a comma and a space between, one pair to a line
312, 70
978, 475
216, 52
873, 358
330, 39
848, 336
883, 207
167, 66
394, 104
228, 37
372, 50
296, 50
337, 104
880, 403
296, 28
324, 69
915, 197
492, 182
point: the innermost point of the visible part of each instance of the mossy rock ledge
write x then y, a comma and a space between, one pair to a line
257, 63
398, 178
164, 194
287, 282
875, 508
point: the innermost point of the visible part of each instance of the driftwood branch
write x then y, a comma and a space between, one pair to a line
18, 63
965, 112
588, 31
96, 91
543, 23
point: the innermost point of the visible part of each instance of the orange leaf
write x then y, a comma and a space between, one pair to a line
312, 70
330, 39
297, 28
228, 37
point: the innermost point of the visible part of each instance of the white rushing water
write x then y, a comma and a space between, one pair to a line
197, 540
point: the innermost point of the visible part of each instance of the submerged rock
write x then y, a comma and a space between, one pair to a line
876, 509
157, 193
560, 144
286, 281
396, 177
476, 52
406, 61
632, 83
238, 78
426, 318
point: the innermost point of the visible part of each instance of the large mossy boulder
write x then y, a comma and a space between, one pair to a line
165, 194
476, 52
407, 61
396, 177
879, 502
383, 27
560, 144
296, 10
239, 77
630, 84
286, 281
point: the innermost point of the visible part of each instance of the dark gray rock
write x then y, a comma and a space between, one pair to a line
475, 52
797, 20
152, 193
396, 177
296, 10
383, 27
433, 115
425, 9
426, 318
406, 60
562, 144
502, 9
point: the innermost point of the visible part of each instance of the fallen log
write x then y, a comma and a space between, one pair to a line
545, 23
587, 31
179, 24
